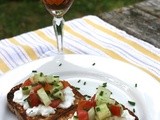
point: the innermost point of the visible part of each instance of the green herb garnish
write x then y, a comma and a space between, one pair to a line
34, 71
135, 85
132, 103
60, 64
98, 109
75, 117
77, 88
134, 110
87, 96
93, 64
101, 93
104, 85
41, 74
25, 88
79, 81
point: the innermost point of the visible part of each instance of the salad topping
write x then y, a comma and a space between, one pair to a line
42, 94
101, 107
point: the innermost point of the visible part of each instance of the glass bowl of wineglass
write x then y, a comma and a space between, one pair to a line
57, 9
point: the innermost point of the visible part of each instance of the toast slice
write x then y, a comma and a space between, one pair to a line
61, 114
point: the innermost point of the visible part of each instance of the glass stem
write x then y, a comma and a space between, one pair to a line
58, 24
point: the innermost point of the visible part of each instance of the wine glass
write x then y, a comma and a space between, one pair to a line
57, 9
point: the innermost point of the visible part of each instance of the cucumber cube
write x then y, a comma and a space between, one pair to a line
102, 112
52, 79
59, 94
44, 97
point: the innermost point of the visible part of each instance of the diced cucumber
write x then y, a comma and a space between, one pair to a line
26, 90
44, 97
102, 95
39, 77
41, 80
59, 94
101, 100
103, 92
57, 87
91, 114
52, 79
102, 111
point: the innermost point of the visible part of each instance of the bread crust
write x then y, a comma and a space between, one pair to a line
61, 114
130, 112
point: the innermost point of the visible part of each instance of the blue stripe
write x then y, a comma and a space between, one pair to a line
14, 48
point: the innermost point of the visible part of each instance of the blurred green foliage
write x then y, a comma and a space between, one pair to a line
19, 16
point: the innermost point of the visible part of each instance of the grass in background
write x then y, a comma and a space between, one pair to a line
19, 16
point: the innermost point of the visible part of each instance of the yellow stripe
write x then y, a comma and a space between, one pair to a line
51, 41
31, 53
107, 51
4, 66
148, 72
121, 38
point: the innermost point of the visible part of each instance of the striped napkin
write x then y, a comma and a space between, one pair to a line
86, 35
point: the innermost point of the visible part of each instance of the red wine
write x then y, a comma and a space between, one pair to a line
57, 4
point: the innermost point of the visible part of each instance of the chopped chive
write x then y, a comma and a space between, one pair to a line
55, 90
132, 103
34, 71
135, 85
87, 96
104, 85
25, 99
41, 74
75, 117
60, 64
134, 110
77, 88
98, 109
101, 93
25, 88
79, 81
56, 76
84, 83
93, 64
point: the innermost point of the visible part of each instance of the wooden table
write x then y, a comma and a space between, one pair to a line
141, 20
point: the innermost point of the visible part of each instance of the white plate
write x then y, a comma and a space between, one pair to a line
121, 79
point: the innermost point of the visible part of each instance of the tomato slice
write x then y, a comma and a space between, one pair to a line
86, 104
65, 84
82, 115
33, 100
28, 82
48, 87
115, 110
36, 88
55, 103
